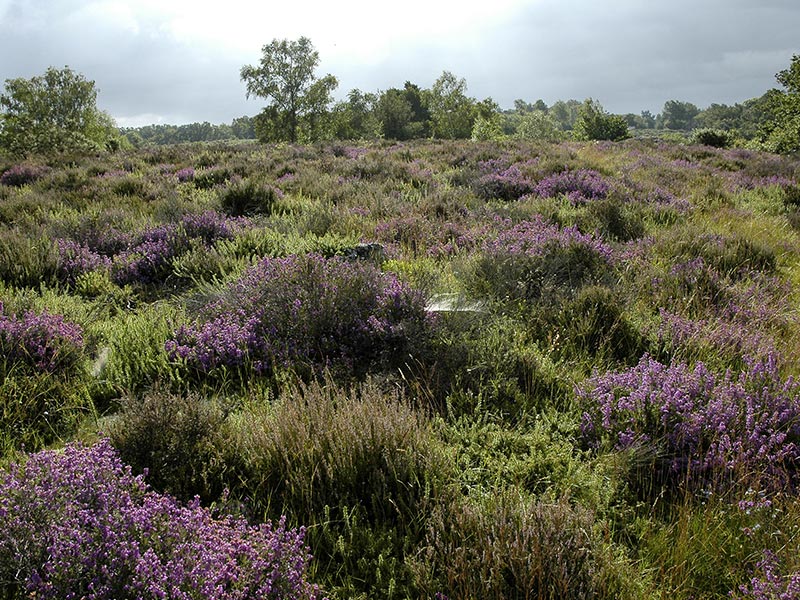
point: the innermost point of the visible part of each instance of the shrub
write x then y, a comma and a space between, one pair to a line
184, 175
707, 136
358, 466
173, 439
26, 262
508, 548
503, 184
76, 259
148, 259
20, 175
304, 310
594, 324
205, 179
77, 524
249, 198
536, 259
699, 427
39, 342
770, 582
579, 186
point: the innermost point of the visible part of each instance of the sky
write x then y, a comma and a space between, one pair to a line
178, 61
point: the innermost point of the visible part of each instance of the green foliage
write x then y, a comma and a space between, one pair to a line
538, 125
712, 137
506, 548
285, 77
594, 123
53, 113
248, 197
175, 439
27, 262
358, 467
487, 129
37, 409
678, 115
452, 111
782, 132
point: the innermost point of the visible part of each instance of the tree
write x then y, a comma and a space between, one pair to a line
565, 113
538, 125
781, 133
452, 112
355, 119
54, 113
394, 112
679, 115
594, 123
285, 76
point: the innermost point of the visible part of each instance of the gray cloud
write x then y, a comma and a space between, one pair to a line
629, 55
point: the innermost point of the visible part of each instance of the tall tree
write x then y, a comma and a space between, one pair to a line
52, 113
395, 113
452, 111
679, 115
285, 77
781, 133
594, 123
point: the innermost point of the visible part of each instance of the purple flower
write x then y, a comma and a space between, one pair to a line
78, 524
579, 186
44, 341
305, 309
707, 426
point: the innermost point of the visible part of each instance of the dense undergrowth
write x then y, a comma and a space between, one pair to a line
444, 369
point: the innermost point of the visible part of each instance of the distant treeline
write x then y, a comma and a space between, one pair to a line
401, 114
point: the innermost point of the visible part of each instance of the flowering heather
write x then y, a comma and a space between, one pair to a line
706, 426
732, 340
536, 259
20, 175
505, 184
77, 524
75, 258
148, 258
772, 584
44, 342
305, 309
185, 175
538, 237
579, 186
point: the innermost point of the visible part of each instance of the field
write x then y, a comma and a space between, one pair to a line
444, 369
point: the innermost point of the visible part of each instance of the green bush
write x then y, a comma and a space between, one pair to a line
509, 548
357, 467
27, 260
248, 198
175, 439
716, 138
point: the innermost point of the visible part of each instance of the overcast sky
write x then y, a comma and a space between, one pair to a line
178, 61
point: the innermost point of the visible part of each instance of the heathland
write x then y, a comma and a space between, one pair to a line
449, 369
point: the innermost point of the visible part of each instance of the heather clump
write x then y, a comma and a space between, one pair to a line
579, 186
78, 524
148, 259
502, 183
20, 175
304, 310
39, 342
698, 426
76, 259
535, 259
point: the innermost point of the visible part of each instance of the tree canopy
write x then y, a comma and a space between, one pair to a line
594, 123
782, 132
298, 100
53, 113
